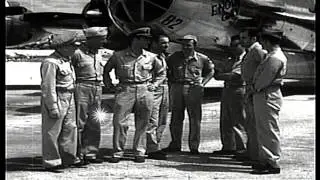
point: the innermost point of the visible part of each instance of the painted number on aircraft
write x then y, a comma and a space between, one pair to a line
171, 21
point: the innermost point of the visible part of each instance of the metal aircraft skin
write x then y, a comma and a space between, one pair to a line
212, 21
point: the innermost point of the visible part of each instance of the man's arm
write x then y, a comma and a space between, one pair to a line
159, 72
210, 66
269, 73
48, 87
106, 70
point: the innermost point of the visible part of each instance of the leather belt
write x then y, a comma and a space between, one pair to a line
186, 82
61, 89
133, 83
97, 83
233, 86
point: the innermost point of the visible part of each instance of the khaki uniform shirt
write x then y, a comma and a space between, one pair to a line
130, 68
55, 73
88, 65
181, 69
271, 70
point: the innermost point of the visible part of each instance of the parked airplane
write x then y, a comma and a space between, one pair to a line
212, 21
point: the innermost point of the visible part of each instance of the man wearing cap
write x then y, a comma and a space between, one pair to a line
253, 57
139, 73
267, 101
88, 65
158, 119
232, 116
59, 130
187, 78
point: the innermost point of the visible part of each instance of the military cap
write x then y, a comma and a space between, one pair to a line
66, 38
96, 32
189, 37
144, 31
272, 33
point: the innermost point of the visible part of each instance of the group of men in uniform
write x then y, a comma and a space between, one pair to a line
251, 100
72, 80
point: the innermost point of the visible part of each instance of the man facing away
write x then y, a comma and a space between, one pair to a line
139, 74
185, 74
267, 102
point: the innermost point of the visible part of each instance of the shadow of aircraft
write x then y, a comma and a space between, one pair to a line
24, 164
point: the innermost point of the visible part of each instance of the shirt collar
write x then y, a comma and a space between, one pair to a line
194, 56
254, 45
88, 51
129, 52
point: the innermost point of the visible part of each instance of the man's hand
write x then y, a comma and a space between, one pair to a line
54, 114
152, 87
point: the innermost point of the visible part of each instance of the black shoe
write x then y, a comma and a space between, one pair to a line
269, 170
114, 160
170, 149
241, 158
158, 155
55, 169
139, 159
194, 152
259, 166
81, 164
94, 161
162, 152
224, 152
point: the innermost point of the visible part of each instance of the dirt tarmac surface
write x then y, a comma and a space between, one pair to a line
297, 128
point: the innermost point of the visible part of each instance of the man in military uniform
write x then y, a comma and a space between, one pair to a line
59, 130
160, 109
267, 101
253, 57
185, 74
88, 65
139, 73
232, 116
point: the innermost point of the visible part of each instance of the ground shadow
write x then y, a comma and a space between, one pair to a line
24, 164
30, 109
206, 162
33, 94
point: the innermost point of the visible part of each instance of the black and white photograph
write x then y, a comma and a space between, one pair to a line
160, 89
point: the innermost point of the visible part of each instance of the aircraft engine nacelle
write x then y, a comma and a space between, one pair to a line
210, 20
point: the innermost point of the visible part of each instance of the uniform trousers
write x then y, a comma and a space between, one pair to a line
267, 104
59, 136
232, 119
252, 143
136, 98
185, 96
88, 102
158, 118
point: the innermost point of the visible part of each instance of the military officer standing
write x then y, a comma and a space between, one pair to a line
139, 73
185, 74
160, 109
88, 65
232, 116
59, 130
253, 57
267, 101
